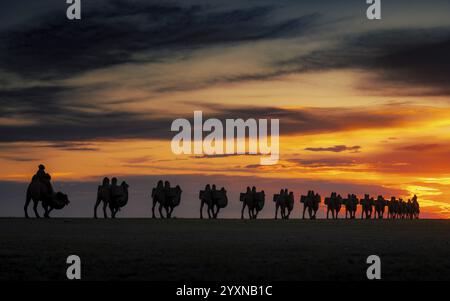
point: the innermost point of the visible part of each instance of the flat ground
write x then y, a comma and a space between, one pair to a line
184, 249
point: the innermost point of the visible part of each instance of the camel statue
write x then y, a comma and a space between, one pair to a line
334, 204
351, 204
167, 197
380, 204
254, 201
119, 198
285, 202
367, 208
311, 203
103, 195
39, 191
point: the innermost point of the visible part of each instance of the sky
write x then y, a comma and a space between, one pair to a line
364, 105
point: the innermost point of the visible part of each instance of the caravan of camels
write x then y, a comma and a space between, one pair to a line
115, 197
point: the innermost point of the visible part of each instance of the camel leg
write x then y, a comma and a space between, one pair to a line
153, 208
35, 208
276, 211
169, 213
27, 202
160, 211
217, 212
201, 209
250, 215
210, 211
242, 211
46, 211
304, 209
97, 203
105, 214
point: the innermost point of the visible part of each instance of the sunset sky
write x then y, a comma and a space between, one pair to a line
364, 106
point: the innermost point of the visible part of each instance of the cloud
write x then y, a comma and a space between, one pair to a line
335, 149
56, 121
119, 32
72, 146
408, 58
421, 147
324, 162
17, 159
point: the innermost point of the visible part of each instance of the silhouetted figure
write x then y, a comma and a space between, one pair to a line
41, 190
44, 177
366, 204
103, 195
167, 197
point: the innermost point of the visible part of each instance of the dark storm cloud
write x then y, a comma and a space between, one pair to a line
403, 57
116, 32
71, 124
335, 149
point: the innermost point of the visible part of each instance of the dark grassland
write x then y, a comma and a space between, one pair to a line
188, 249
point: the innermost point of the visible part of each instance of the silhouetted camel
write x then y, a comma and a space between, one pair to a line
119, 197
366, 204
284, 201
103, 195
167, 197
380, 204
392, 208
112, 195
254, 201
38, 191
415, 207
334, 204
311, 203
214, 199
351, 205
